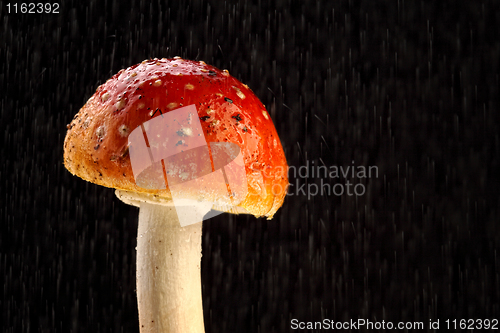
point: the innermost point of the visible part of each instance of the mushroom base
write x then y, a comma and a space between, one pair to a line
168, 272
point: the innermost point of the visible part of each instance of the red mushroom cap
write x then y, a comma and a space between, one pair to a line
96, 147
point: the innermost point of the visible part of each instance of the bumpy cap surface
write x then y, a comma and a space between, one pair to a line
97, 143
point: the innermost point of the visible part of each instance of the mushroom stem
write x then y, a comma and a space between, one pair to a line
168, 272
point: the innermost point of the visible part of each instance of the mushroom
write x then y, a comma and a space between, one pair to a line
181, 140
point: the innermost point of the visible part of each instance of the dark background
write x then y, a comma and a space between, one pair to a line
411, 87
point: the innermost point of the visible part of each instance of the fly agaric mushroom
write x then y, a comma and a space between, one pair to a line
152, 132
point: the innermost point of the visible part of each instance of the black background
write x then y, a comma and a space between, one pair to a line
411, 87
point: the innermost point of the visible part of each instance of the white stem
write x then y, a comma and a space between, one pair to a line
168, 272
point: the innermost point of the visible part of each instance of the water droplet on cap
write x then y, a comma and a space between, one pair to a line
171, 105
99, 132
123, 130
120, 104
